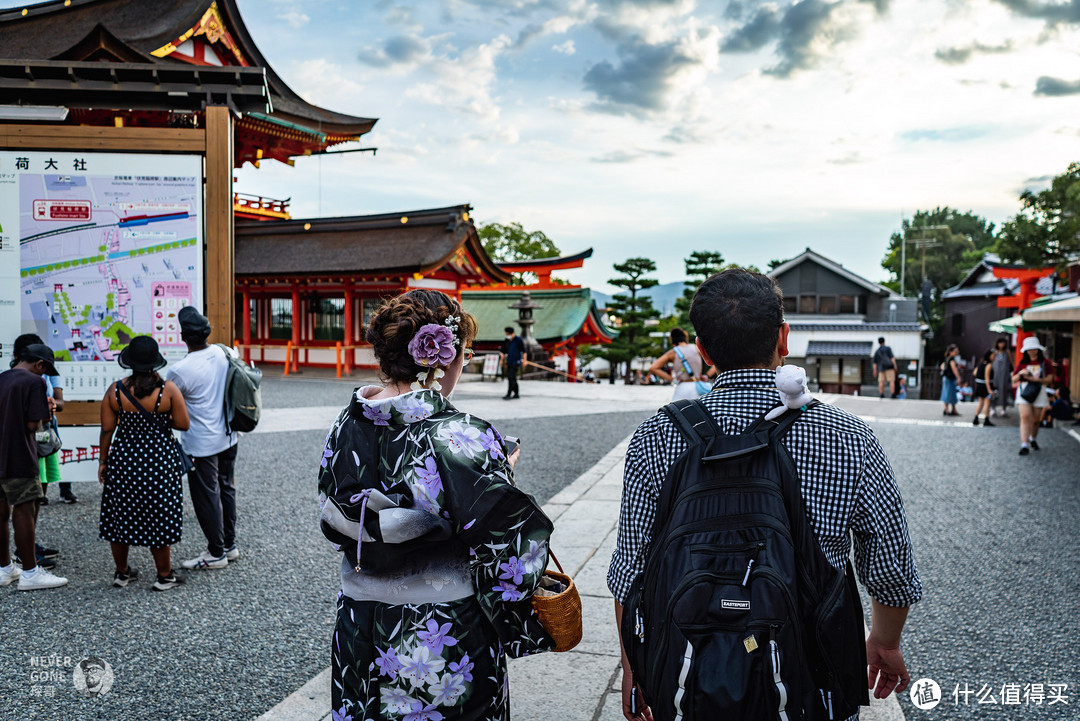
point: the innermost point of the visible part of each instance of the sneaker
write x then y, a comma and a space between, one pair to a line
43, 501
122, 579
1024, 450
41, 561
1033, 443
975, 421
232, 553
174, 579
38, 579
986, 422
206, 560
10, 575
68, 498
43, 552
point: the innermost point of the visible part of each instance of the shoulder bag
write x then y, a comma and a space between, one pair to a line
47, 439
187, 465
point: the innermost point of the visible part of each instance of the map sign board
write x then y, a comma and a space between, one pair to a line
95, 249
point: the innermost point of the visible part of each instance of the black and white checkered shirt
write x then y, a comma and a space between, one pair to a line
847, 486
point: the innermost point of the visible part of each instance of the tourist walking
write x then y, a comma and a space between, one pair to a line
984, 384
885, 369
24, 409
441, 552
142, 500
201, 376
513, 350
950, 378
1002, 373
725, 603
689, 370
1034, 374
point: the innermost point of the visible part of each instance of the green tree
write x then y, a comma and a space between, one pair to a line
507, 243
1047, 229
699, 266
953, 243
633, 309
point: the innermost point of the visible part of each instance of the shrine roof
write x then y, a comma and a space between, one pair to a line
48, 30
565, 313
417, 241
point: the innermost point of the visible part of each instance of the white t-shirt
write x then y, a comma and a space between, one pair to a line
200, 376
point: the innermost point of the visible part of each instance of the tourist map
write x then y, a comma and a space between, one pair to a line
99, 248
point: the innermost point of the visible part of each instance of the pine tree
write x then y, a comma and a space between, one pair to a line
633, 309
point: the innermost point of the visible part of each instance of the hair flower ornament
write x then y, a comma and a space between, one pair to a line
433, 346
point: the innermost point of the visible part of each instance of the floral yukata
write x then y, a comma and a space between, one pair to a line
442, 554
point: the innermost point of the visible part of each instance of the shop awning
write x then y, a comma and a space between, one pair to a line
1062, 311
1005, 325
842, 349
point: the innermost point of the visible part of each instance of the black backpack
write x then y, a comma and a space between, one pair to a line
738, 614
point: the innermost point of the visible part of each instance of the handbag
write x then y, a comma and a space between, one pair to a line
1030, 391
48, 440
558, 606
187, 465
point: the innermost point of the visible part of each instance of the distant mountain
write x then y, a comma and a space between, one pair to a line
663, 297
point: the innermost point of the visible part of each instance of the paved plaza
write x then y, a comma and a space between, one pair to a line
994, 536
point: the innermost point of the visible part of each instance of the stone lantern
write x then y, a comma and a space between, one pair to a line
525, 307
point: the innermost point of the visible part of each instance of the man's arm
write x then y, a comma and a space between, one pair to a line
884, 658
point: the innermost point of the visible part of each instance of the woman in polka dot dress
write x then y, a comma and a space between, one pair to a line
142, 503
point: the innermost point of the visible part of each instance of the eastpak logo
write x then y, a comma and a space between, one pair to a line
735, 605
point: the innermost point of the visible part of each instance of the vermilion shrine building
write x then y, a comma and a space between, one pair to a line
112, 68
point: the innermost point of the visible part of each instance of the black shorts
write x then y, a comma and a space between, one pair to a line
982, 390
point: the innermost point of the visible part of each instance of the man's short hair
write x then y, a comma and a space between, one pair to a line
678, 335
737, 315
881, 341
508, 329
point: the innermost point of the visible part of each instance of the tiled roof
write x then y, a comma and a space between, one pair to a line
562, 316
839, 348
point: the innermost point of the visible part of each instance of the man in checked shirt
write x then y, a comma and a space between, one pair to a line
846, 481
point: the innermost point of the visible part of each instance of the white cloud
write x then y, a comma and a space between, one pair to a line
295, 18
566, 48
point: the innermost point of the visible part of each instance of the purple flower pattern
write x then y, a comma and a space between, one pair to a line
429, 477
388, 663
435, 637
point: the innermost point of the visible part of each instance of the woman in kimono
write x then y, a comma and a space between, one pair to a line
442, 553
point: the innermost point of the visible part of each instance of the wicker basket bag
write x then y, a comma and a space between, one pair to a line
559, 612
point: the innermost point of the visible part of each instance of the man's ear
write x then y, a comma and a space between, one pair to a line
781, 340
701, 349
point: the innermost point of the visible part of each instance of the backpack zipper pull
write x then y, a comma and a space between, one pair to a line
750, 564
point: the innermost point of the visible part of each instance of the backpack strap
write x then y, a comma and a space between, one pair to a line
694, 422
778, 427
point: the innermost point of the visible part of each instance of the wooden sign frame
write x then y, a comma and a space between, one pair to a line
215, 143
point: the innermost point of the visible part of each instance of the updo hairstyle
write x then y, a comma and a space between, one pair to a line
398, 320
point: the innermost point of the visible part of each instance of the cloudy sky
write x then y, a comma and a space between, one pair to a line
659, 127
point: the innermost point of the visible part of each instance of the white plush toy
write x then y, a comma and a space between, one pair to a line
794, 393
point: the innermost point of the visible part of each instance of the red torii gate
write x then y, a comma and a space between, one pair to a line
1028, 278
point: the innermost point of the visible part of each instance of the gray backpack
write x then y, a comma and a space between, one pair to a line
243, 401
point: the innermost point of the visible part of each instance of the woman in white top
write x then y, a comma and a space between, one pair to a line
689, 372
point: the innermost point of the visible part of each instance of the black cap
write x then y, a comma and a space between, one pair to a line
40, 352
142, 355
192, 321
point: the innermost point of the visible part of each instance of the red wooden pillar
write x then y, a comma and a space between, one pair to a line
349, 300
246, 332
297, 318
571, 364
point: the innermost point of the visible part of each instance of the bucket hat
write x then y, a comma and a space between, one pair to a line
142, 354
1031, 343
